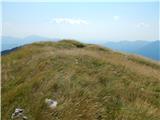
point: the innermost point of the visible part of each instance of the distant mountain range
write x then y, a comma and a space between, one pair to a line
150, 49
8, 42
127, 46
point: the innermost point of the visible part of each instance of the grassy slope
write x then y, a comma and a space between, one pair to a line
89, 83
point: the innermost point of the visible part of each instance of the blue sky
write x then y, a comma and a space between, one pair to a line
82, 21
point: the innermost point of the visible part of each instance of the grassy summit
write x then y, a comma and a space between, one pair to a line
89, 82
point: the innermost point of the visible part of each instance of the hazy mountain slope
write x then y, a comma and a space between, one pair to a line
144, 48
9, 42
12, 42
89, 82
126, 46
151, 50
5, 52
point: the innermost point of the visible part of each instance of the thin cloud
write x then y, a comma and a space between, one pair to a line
142, 25
69, 21
116, 18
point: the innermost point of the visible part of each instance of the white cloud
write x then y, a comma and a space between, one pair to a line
69, 21
116, 18
142, 25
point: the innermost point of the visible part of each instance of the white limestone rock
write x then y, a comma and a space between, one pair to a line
51, 103
18, 114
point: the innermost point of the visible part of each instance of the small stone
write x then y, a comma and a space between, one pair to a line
51, 103
25, 118
18, 113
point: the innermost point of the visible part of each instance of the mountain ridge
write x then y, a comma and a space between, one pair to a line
132, 47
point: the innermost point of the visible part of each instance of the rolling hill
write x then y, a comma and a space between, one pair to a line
89, 82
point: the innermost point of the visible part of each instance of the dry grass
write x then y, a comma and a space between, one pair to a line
88, 81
